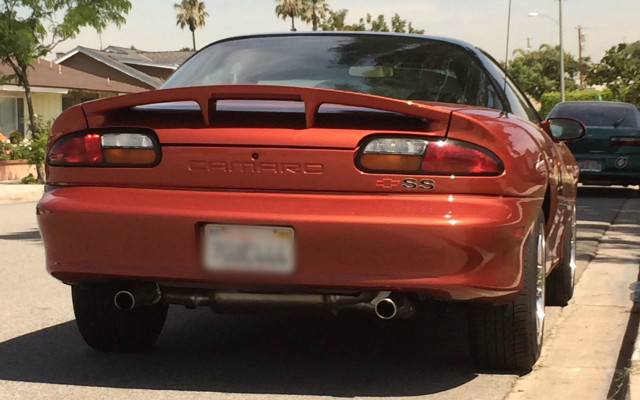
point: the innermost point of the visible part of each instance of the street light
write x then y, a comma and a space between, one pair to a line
559, 22
535, 14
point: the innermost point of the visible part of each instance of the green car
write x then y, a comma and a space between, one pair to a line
609, 154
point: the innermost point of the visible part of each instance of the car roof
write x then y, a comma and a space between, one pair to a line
597, 103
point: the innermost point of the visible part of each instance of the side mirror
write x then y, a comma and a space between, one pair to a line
564, 129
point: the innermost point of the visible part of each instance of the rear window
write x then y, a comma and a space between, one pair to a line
390, 66
599, 114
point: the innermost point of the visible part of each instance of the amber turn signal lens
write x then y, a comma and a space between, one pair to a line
391, 162
130, 156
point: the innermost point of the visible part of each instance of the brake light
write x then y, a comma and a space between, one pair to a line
441, 157
625, 141
459, 158
106, 149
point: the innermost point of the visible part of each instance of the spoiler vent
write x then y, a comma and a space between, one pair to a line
308, 107
336, 116
291, 114
186, 114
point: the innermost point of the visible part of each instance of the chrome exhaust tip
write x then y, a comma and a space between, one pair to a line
145, 294
386, 308
124, 300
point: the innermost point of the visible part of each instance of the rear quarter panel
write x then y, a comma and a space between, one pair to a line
535, 165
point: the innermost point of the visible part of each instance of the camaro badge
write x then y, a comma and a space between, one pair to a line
621, 162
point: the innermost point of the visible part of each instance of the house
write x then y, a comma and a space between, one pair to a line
54, 88
147, 69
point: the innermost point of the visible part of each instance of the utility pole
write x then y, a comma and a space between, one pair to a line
580, 39
561, 52
528, 44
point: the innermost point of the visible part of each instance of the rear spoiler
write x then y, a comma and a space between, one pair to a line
207, 97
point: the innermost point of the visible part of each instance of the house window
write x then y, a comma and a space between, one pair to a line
11, 110
77, 97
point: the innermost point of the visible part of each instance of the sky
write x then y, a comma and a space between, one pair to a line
151, 24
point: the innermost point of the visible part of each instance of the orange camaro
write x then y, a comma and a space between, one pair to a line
332, 170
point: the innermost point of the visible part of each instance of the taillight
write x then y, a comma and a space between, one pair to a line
387, 154
434, 157
108, 149
625, 141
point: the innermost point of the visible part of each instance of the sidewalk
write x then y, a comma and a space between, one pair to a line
15, 192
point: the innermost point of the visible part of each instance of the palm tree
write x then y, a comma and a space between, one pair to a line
289, 8
191, 13
313, 11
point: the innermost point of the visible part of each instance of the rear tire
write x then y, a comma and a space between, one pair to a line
561, 280
106, 328
509, 336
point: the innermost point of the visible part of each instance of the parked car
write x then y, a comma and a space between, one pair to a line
609, 154
335, 170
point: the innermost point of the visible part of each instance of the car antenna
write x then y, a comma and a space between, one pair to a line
506, 60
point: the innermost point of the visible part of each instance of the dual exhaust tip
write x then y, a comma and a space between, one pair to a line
124, 300
386, 306
394, 307
138, 296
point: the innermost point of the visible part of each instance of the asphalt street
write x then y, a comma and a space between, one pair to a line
268, 356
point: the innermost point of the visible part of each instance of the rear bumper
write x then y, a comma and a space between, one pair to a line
450, 247
610, 178
617, 169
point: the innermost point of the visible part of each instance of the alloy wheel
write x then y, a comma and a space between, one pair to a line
541, 261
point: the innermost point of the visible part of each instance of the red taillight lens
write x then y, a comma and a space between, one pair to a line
84, 149
459, 158
435, 157
625, 141
105, 149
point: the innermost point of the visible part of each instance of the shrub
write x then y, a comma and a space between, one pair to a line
550, 99
33, 150
13, 151
36, 151
29, 180
6, 150
15, 137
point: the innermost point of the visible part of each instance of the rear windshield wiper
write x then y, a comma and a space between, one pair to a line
621, 120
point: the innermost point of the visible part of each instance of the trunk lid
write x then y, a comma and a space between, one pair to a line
598, 140
243, 137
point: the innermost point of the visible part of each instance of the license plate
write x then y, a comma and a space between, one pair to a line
589, 166
242, 248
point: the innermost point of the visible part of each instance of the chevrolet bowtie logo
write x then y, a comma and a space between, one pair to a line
387, 183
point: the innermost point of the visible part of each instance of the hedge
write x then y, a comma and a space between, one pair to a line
549, 100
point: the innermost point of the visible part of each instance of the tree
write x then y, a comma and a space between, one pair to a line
314, 11
538, 72
378, 24
23, 29
402, 26
335, 21
289, 8
191, 13
619, 70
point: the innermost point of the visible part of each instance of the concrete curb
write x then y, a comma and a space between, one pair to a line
633, 392
13, 192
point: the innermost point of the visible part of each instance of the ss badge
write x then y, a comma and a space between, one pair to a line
424, 184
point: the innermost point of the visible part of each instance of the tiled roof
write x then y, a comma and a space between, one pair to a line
168, 59
121, 59
51, 75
